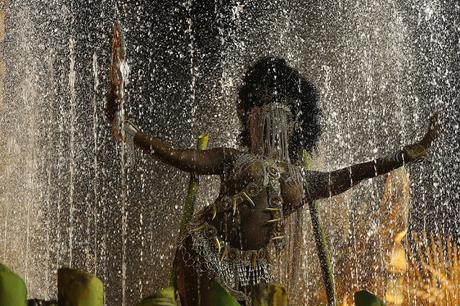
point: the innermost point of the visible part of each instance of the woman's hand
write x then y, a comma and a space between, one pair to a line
115, 74
419, 150
118, 55
433, 131
292, 192
118, 71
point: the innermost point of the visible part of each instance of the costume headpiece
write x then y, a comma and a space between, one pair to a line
270, 126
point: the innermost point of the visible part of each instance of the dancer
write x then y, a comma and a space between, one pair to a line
229, 242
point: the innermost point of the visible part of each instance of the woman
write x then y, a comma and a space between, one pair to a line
229, 241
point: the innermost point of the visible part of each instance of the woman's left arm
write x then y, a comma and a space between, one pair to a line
326, 184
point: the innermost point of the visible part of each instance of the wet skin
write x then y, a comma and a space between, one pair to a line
253, 232
316, 185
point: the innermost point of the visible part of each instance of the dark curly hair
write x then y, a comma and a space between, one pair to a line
271, 79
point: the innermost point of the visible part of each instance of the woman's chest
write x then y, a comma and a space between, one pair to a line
252, 175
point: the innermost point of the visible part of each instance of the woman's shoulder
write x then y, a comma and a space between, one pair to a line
244, 159
233, 158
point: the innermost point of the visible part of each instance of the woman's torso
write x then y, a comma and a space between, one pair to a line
256, 195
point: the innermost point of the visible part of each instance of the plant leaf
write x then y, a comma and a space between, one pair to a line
76, 287
365, 298
164, 297
221, 297
13, 291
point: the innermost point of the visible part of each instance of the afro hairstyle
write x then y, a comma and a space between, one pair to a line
270, 80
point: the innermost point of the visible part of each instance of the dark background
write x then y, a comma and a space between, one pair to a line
184, 83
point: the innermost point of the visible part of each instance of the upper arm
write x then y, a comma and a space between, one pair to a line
327, 184
211, 161
317, 185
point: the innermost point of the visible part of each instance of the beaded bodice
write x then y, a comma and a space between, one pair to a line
252, 192
233, 236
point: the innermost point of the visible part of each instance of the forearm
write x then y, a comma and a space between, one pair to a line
370, 169
327, 184
191, 160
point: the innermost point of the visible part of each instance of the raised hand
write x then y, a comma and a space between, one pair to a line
115, 74
419, 150
432, 133
118, 55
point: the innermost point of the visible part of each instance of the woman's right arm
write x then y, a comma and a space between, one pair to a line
212, 161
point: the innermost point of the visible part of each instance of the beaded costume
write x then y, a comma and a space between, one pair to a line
230, 241
233, 266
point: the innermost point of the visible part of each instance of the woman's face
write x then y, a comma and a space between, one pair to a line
270, 130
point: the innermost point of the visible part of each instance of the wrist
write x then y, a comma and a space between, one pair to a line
130, 132
398, 157
123, 129
414, 152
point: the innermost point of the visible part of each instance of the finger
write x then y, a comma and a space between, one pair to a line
115, 77
436, 126
433, 131
434, 121
117, 52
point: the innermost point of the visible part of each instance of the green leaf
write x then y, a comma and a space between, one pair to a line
202, 142
189, 203
365, 298
221, 297
78, 288
13, 291
307, 160
164, 297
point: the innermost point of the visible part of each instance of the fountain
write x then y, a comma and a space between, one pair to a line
70, 197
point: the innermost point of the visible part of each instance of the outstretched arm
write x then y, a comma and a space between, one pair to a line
326, 184
212, 161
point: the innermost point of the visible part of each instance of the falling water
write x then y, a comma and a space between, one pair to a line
381, 68
94, 207
192, 51
124, 68
72, 102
